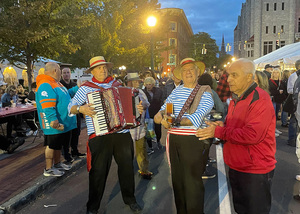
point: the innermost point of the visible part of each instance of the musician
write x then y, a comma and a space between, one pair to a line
187, 155
138, 133
102, 148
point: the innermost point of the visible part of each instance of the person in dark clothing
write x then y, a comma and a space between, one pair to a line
171, 84
154, 96
10, 144
268, 70
276, 90
31, 95
68, 83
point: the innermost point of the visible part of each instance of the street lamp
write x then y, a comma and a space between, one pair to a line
151, 21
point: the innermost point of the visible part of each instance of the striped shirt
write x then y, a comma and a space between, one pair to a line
178, 97
80, 98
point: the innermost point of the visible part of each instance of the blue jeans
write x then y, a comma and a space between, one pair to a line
292, 131
284, 116
276, 108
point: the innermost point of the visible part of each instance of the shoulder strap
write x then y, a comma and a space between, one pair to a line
196, 101
187, 103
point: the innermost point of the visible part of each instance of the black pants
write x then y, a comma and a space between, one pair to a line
103, 148
4, 143
251, 192
73, 142
188, 157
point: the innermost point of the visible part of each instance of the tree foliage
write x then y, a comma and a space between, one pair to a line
31, 29
118, 32
200, 41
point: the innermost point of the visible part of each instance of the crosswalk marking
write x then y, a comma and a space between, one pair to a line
224, 200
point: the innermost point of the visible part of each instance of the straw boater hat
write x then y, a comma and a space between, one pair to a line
199, 64
133, 76
98, 60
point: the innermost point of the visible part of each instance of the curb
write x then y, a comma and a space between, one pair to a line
42, 183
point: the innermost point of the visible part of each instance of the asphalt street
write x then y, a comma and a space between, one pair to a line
155, 196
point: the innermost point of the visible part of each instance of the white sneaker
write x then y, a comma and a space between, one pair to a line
62, 166
29, 133
277, 131
276, 135
298, 177
53, 172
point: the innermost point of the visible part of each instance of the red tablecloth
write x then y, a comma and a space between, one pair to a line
20, 109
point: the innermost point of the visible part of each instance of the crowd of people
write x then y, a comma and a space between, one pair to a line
238, 107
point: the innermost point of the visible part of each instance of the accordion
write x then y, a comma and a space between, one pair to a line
116, 109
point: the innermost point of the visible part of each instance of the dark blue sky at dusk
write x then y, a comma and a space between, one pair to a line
215, 17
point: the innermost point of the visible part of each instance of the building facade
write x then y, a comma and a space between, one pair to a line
266, 25
177, 39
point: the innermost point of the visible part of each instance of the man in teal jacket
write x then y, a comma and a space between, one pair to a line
52, 100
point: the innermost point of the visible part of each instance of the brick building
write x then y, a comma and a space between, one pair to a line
266, 25
178, 38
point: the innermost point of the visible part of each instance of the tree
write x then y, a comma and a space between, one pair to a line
119, 32
31, 29
204, 48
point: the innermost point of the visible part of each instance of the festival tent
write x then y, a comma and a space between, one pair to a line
285, 57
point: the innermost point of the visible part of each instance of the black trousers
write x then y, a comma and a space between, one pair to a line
4, 143
251, 192
103, 148
188, 157
73, 142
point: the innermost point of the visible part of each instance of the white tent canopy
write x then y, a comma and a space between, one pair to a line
285, 56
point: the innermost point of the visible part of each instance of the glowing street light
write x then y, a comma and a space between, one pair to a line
151, 21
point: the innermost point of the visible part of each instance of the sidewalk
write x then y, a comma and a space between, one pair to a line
22, 177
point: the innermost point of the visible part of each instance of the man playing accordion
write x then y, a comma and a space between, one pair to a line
103, 147
187, 155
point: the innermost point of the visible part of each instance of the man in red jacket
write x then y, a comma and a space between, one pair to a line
249, 136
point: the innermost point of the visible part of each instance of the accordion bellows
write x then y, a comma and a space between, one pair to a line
116, 109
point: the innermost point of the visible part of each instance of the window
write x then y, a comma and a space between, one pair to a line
282, 43
248, 53
267, 29
173, 26
299, 25
282, 29
252, 53
268, 47
252, 45
282, 6
275, 6
274, 29
172, 42
172, 59
267, 7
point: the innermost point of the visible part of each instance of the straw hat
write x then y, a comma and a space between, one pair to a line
133, 76
98, 60
199, 64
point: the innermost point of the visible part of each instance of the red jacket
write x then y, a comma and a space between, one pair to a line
249, 133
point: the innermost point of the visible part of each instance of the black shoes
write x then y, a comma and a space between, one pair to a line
297, 198
78, 154
208, 174
146, 175
286, 125
135, 207
15, 143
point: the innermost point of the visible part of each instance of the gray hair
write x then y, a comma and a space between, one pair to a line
149, 80
246, 65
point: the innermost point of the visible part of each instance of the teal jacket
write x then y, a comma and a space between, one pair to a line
52, 100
